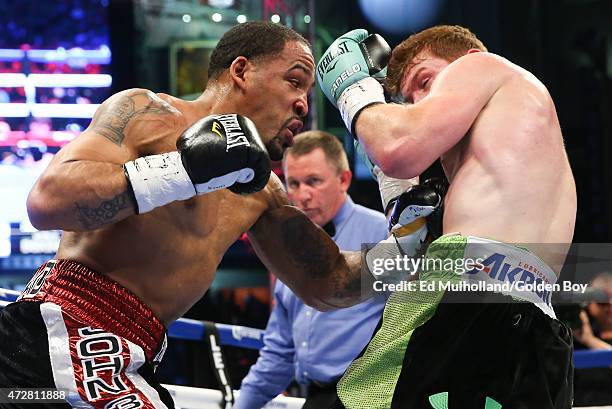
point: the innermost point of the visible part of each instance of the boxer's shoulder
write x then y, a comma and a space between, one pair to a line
252, 206
141, 101
139, 119
482, 66
480, 60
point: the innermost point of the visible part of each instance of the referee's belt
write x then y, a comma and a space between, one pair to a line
323, 385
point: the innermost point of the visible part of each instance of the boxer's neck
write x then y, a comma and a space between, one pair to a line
217, 98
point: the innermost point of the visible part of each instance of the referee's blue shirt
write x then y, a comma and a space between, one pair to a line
303, 343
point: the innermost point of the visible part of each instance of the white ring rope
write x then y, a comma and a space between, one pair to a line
187, 397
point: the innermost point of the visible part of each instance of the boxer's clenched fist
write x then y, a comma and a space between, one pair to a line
225, 151
416, 218
417, 202
346, 73
219, 151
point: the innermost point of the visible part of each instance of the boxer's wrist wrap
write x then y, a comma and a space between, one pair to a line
391, 188
157, 180
358, 96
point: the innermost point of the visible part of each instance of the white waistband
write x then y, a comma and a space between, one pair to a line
512, 271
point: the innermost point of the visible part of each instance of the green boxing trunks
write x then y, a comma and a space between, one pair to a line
467, 341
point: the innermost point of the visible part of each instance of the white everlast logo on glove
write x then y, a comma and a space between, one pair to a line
232, 130
328, 58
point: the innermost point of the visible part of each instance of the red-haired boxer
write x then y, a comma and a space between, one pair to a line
511, 203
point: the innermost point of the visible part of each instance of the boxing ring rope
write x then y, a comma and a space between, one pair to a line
252, 338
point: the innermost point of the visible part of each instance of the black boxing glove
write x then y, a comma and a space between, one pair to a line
416, 219
424, 200
434, 220
219, 151
225, 151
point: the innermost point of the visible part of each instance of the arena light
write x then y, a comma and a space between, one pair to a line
5, 239
241, 18
275, 18
186, 18
55, 80
217, 17
222, 4
63, 110
11, 80
11, 54
14, 110
71, 80
100, 56
401, 17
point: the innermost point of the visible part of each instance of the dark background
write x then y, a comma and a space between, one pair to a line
566, 43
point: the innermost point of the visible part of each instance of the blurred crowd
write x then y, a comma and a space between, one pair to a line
46, 25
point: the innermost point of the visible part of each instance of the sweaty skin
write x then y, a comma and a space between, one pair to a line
495, 128
168, 257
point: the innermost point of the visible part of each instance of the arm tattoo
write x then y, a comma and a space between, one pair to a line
347, 285
94, 217
114, 119
319, 260
304, 245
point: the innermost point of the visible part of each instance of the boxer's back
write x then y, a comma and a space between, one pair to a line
510, 176
167, 257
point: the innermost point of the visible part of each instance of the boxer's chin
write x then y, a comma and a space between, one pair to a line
276, 149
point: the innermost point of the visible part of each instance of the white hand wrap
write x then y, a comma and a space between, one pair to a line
361, 94
158, 180
390, 188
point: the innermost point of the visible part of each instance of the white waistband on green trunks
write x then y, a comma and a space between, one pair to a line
512, 271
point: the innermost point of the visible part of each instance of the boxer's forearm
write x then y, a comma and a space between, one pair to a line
398, 139
403, 140
351, 284
307, 260
80, 195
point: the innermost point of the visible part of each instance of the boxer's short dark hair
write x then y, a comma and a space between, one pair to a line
448, 42
308, 141
253, 40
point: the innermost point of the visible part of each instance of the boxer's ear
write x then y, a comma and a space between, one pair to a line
238, 71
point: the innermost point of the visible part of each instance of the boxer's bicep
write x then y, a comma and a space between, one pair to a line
84, 187
404, 140
306, 259
458, 96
